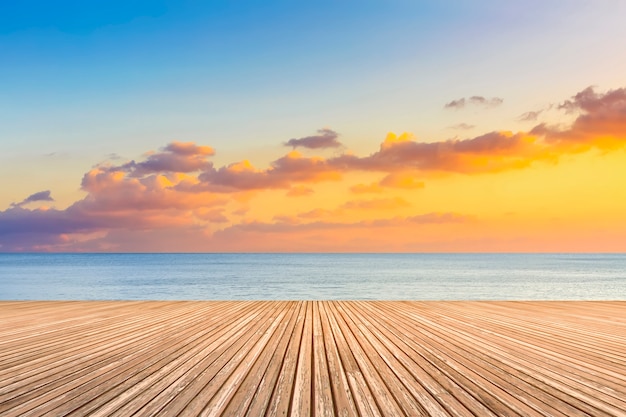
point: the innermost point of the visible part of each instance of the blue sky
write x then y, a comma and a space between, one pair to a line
148, 70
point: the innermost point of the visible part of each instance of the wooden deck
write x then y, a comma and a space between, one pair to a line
313, 358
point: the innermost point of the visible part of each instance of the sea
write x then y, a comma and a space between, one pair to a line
36, 276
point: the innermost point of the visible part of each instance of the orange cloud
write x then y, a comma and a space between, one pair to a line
179, 188
400, 180
491, 152
374, 188
110, 191
211, 215
299, 191
392, 139
383, 235
281, 227
601, 123
376, 204
317, 214
291, 168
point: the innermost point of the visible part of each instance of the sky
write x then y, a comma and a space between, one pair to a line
327, 126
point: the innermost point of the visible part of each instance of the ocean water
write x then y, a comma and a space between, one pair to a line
313, 276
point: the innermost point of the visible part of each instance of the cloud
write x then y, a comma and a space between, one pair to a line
188, 149
462, 126
401, 180
115, 200
397, 222
439, 218
317, 214
455, 104
474, 100
482, 101
36, 197
373, 188
211, 215
376, 204
299, 191
289, 225
52, 229
600, 118
530, 116
349, 208
114, 191
601, 122
242, 211
327, 138
40, 196
491, 152
179, 188
283, 172
17, 220
385, 234
176, 157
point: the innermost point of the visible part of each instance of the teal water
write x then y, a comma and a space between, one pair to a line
313, 276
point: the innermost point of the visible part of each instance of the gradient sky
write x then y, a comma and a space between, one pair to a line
428, 126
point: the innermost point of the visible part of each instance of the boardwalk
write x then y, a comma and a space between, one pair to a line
313, 358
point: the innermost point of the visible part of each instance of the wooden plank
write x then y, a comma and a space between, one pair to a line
518, 358
360, 390
280, 401
322, 392
400, 382
542, 366
301, 397
232, 379
189, 342
37, 371
429, 390
252, 396
343, 400
117, 377
384, 397
318, 358
505, 391
185, 373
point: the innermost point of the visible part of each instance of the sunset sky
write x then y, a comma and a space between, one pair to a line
326, 126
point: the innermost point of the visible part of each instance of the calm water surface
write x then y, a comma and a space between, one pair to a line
312, 276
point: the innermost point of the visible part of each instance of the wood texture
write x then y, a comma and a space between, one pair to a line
317, 358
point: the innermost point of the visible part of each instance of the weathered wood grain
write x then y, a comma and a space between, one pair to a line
317, 358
